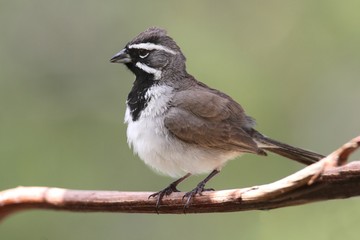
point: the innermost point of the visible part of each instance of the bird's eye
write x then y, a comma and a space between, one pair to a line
143, 53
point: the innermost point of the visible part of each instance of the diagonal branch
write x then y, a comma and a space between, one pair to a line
327, 179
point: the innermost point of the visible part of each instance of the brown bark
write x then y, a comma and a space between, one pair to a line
330, 178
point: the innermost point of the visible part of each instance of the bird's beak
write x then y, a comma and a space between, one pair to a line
121, 57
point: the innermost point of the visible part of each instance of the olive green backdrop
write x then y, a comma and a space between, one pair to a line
293, 65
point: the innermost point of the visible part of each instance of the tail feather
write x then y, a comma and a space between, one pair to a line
285, 150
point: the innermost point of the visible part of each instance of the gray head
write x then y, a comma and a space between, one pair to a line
152, 54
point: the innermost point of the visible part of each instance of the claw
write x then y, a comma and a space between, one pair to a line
161, 194
167, 191
198, 190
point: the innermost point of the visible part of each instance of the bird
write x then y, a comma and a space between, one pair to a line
181, 127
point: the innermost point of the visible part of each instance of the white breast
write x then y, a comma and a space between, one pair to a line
159, 149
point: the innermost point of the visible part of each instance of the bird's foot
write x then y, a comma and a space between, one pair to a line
161, 194
200, 188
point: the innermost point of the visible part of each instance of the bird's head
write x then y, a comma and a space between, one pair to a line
152, 54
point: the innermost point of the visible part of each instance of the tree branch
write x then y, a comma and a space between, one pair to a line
330, 178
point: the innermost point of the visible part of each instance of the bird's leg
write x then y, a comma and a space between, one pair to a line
199, 188
168, 190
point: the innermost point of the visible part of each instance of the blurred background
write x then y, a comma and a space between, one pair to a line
293, 65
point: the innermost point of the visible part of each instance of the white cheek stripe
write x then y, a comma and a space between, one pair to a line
151, 46
146, 68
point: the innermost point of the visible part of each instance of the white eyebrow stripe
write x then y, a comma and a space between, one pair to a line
146, 68
151, 46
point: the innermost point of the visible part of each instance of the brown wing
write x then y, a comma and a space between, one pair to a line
210, 119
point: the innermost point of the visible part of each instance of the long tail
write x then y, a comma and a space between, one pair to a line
294, 153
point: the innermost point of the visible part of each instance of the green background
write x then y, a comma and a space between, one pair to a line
293, 65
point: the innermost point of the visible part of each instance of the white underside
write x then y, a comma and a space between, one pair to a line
160, 150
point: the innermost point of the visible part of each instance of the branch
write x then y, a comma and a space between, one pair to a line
330, 178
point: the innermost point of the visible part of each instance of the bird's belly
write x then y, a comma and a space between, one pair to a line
170, 156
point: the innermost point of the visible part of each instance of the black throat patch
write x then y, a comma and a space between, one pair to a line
136, 99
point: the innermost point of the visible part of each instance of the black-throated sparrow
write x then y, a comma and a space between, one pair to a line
178, 125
